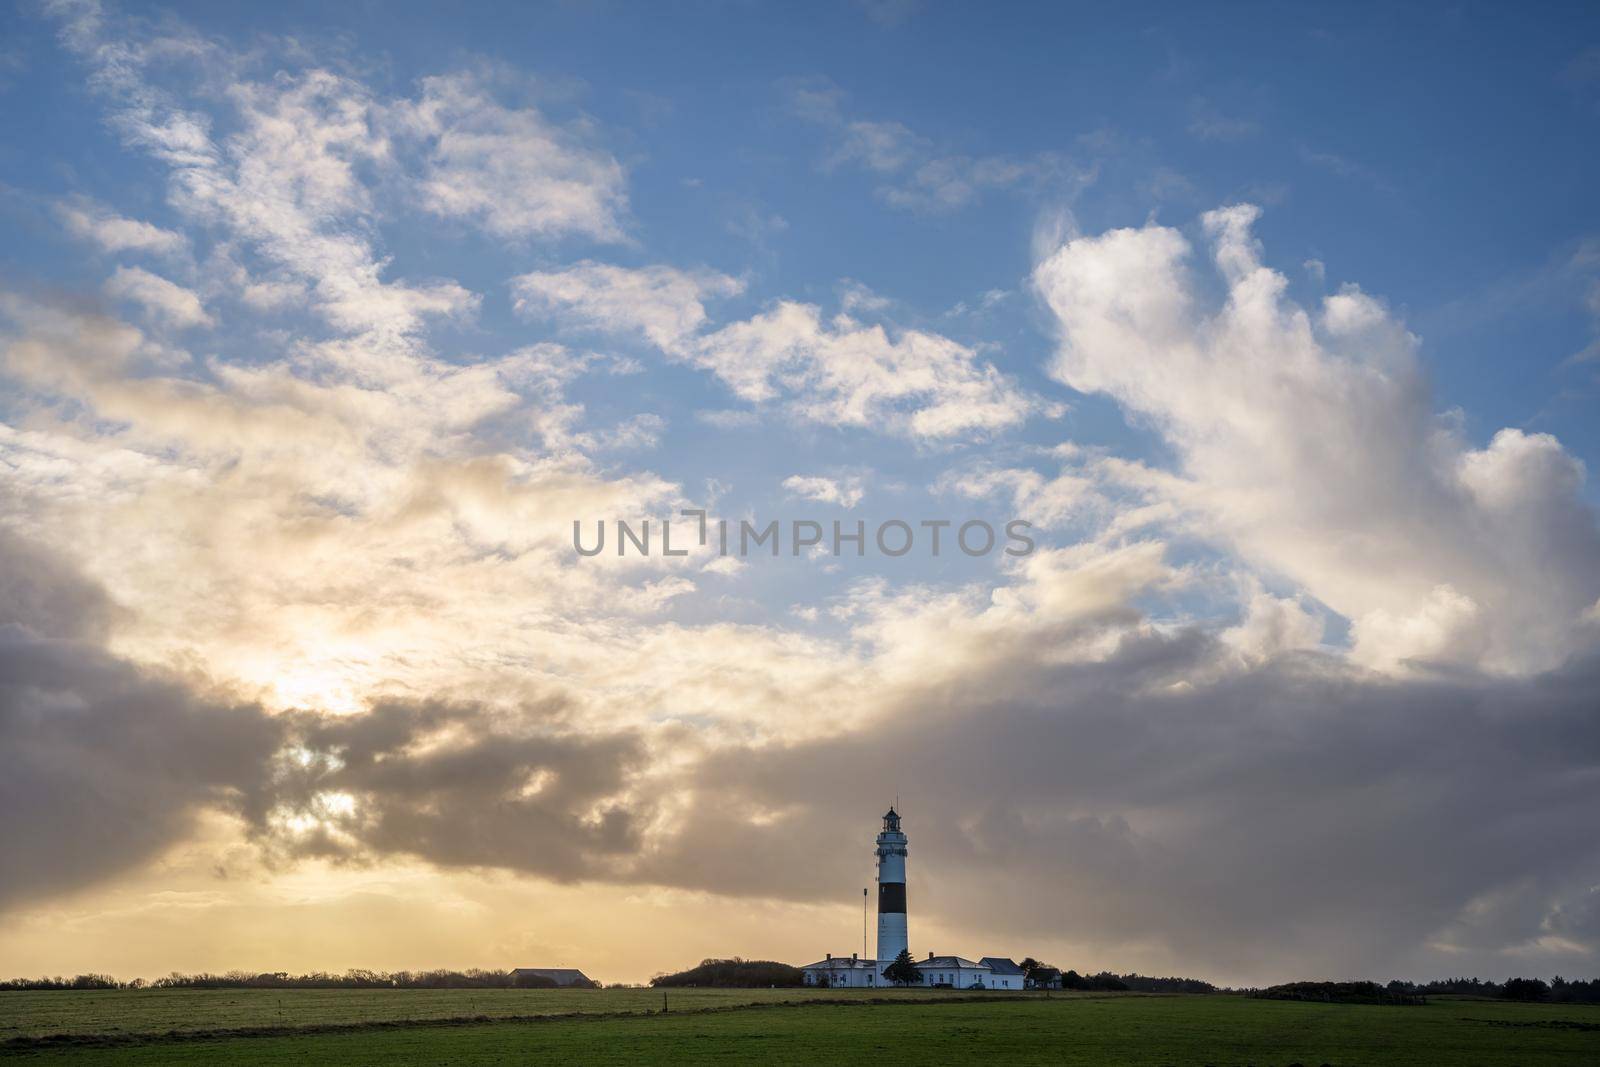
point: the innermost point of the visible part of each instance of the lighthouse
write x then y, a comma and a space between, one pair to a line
939, 972
891, 890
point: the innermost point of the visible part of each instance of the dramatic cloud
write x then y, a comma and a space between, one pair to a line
455, 785
1168, 814
101, 765
1309, 445
313, 515
1350, 817
1306, 690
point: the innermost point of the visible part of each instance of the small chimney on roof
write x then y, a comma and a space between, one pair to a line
829, 956
852, 957
930, 955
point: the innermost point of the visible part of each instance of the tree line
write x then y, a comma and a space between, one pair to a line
353, 979
734, 973
1044, 975
1339, 993
1558, 990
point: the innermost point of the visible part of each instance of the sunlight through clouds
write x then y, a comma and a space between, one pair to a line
316, 348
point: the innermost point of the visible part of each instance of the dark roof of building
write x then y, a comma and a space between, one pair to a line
948, 961
558, 975
1001, 965
839, 963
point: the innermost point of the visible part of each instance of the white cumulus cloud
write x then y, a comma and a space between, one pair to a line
665, 304
1309, 444
165, 300
836, 372
512, 170
843, 372
846, 492
111, 232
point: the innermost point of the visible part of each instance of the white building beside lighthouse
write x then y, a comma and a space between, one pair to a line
839, 972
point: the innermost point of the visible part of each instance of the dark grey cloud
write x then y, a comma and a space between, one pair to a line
101, 764
43, 596
1299, 818
1161, 808
458, 785
104, 763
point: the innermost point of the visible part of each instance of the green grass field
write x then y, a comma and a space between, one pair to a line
161, 1010
787, 1026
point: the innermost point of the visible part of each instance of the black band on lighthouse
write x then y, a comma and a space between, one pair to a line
891, 898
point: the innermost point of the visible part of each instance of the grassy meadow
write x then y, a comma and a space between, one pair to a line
146, 1011
775, 1027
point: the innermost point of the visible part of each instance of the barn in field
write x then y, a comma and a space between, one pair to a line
562, 977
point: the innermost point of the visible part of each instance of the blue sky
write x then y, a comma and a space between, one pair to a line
1442, 159
322, 323
1443, 156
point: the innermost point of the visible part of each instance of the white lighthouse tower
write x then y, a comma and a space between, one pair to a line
891, 891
